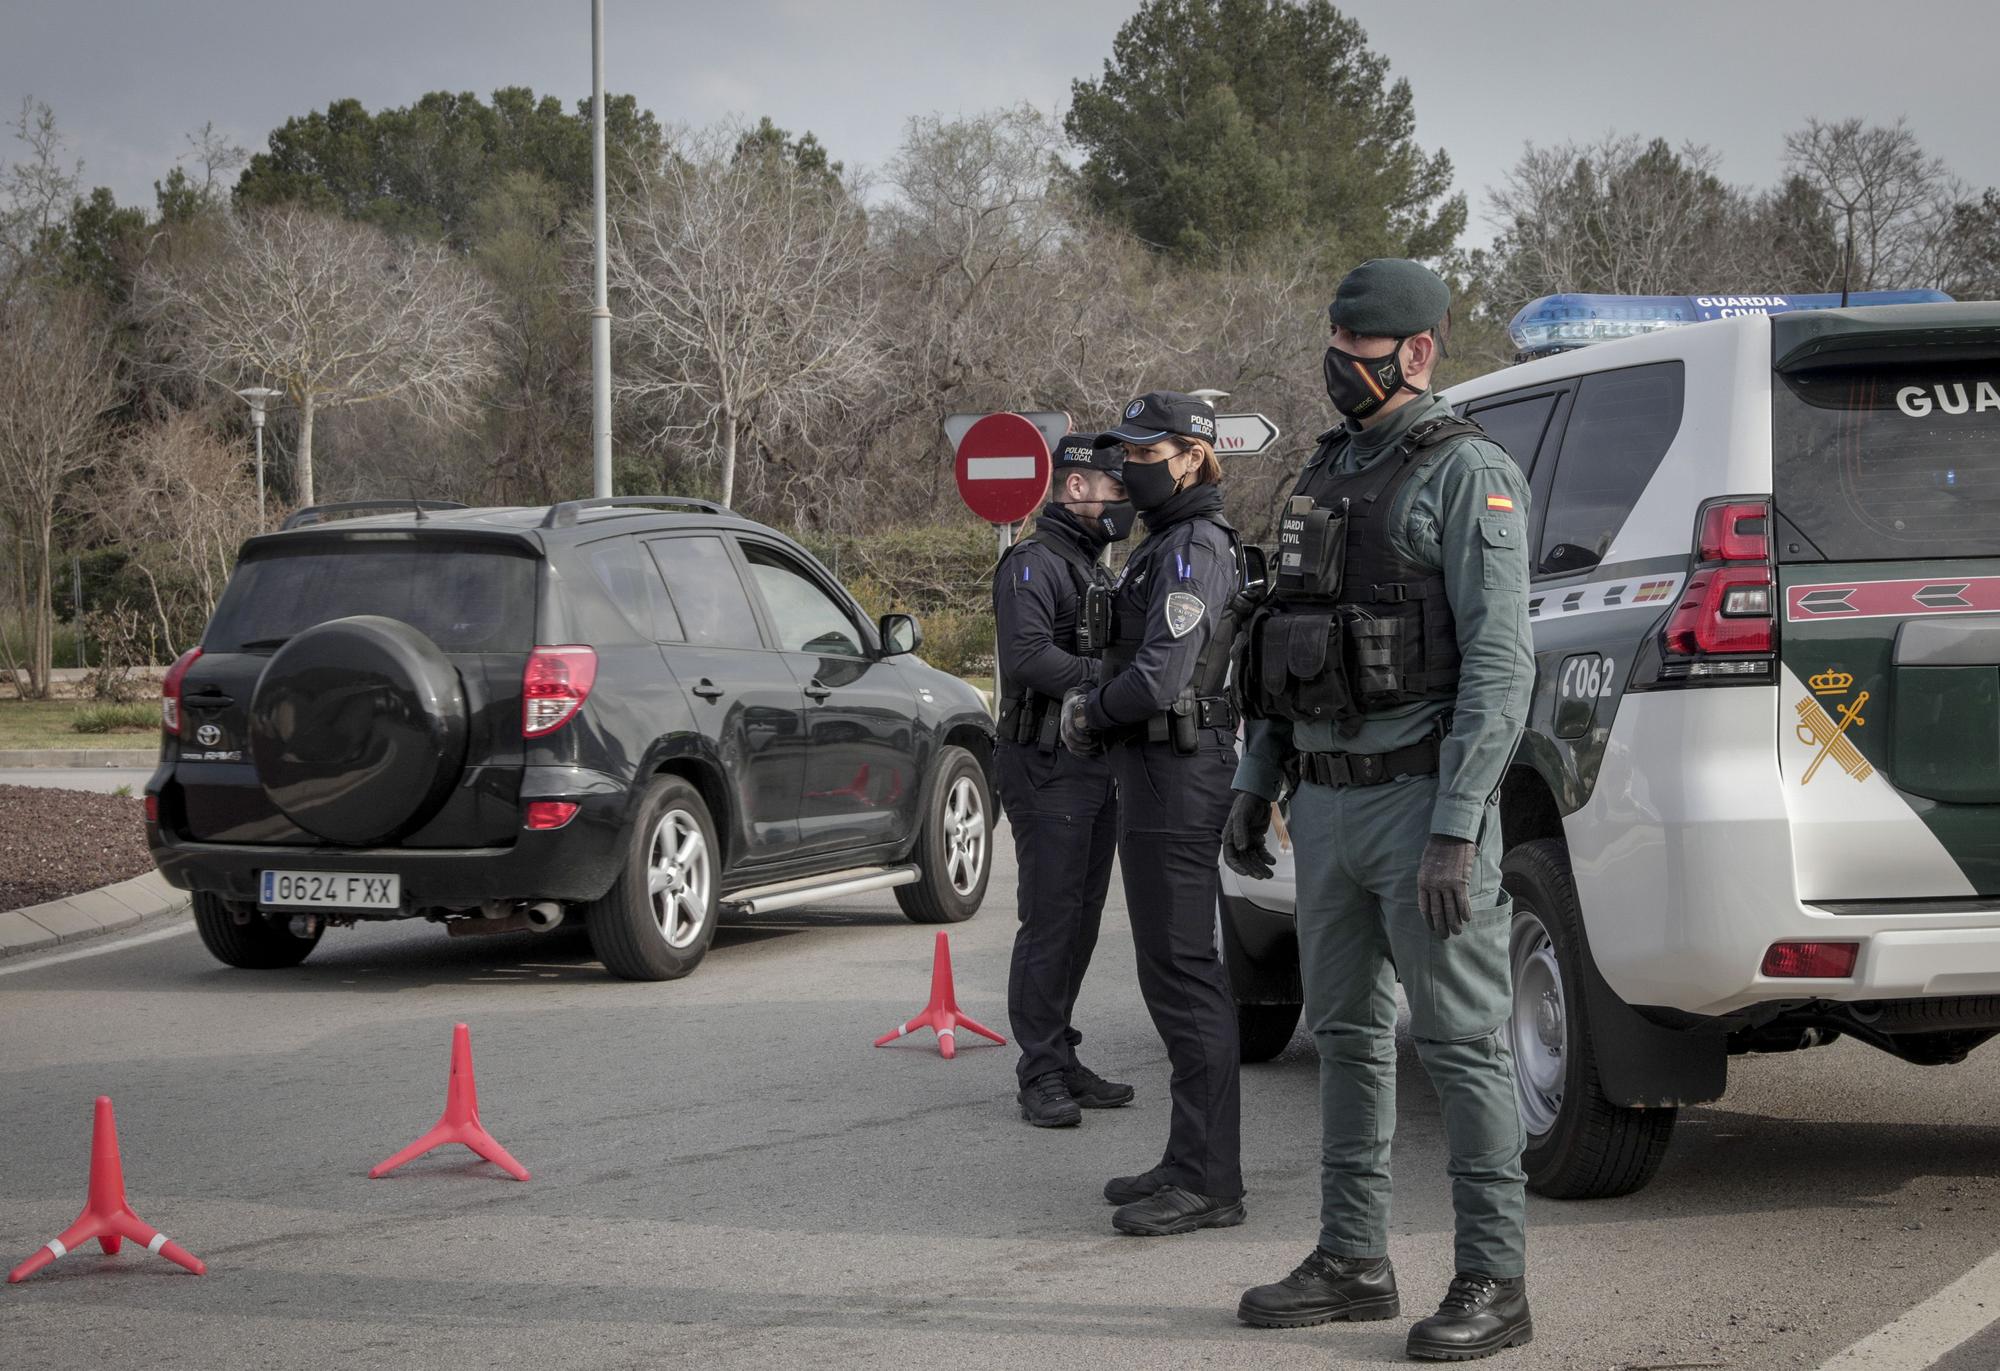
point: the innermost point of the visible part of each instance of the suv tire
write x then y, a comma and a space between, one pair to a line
656, 921
1580, 1145
1265, 1030
255, 943
954, 851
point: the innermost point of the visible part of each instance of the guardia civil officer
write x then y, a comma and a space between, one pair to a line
1163, 714
1062, 807
1394, 667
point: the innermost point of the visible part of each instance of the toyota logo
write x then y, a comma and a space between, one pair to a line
208, 735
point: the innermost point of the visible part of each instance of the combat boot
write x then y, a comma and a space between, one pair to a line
1046, 1103
1176, 1210
1322, 1289
1092, 1091
1480, 1315
1127, 1189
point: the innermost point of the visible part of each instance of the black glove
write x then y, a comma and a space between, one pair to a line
1077, 734
1444, 884
1244, 850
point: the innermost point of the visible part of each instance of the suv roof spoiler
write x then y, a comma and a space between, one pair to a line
319, 514
565, 514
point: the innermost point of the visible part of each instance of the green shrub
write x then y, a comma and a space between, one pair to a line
125, 718
957, 642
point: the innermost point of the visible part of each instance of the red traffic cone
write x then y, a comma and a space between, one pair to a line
106, 1216
460, 1120
942, 1013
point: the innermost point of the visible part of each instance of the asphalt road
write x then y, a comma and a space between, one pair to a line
727, 1175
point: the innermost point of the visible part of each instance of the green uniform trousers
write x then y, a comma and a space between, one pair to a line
1360, 931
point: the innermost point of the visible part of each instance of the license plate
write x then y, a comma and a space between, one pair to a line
331, 890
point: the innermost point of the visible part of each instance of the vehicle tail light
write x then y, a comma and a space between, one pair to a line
554, 686
1818, 961
546, 814
170, 691
152, 808
1723, 627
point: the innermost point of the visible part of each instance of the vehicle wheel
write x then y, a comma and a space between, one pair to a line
954, 852
1265, 1030
658, 918
1580, 1144
241, 935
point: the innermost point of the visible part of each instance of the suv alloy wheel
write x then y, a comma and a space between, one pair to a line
658, 918
954, 852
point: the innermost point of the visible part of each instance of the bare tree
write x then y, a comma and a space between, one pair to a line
36, 191
58, 378
1895, 199
332, 312
744, 295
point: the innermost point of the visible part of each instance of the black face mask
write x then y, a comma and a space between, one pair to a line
1113, 525
1150, 484
1358, 386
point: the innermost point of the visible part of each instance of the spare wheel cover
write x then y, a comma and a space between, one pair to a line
357, 729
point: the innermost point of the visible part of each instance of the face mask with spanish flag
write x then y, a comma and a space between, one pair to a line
1358, 386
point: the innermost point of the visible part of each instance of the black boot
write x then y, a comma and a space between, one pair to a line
1092, 1091
1322, 1289
1045, 1103
1480, 1315
1176, 1210
1126, 1189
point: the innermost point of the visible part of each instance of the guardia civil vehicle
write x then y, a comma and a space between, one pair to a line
1757, 803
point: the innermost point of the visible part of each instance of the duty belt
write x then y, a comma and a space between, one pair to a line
1370, 768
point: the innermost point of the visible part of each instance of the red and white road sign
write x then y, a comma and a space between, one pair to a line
1003, 468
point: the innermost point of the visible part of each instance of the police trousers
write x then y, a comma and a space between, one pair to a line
1063, 811
1360, 931
1171, 809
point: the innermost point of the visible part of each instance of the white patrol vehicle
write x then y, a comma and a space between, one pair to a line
1757, 803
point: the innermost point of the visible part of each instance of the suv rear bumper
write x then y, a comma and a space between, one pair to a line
573, 863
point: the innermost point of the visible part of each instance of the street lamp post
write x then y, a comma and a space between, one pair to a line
259, 397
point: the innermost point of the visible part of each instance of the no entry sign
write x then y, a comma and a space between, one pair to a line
1003, 468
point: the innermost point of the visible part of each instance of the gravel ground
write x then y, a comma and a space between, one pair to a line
62, 842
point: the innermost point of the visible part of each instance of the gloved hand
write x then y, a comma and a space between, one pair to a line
1444, 884
1244, 850
1077, 734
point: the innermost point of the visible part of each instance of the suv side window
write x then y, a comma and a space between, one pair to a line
705, 593
627, 573
1620, 426
1517, 425
806, 618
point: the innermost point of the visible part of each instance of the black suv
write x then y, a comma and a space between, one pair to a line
647, 711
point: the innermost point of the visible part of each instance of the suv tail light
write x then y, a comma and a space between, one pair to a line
170, 691
554, 686
1817, 961
1723, 627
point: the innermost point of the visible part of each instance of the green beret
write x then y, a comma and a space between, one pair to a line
1390, 297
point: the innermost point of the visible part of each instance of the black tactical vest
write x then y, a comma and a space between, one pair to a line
1351, 625
1024, 714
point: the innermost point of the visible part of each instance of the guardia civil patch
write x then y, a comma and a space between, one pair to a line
1184, 611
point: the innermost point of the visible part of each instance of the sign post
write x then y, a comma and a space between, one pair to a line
1002, 469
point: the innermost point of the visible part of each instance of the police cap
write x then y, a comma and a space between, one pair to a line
1390, 297
1160, 413
1080, 452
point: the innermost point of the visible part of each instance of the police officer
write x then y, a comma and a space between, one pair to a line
1394, 666
1062, 807
1163, 713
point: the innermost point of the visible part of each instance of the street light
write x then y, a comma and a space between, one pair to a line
259, 396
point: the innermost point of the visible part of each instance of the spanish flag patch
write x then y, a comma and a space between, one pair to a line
1499, 502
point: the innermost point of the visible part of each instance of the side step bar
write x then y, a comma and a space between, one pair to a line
762, 899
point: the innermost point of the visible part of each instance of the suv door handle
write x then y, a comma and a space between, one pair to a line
707, 689
817, 692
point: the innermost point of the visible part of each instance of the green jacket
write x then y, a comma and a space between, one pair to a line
1454, 516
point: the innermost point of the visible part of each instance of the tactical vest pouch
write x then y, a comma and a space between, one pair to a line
1300, 672
1312, 548
1375, 657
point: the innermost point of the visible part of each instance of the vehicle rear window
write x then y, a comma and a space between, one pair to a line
464, 598
1880, 462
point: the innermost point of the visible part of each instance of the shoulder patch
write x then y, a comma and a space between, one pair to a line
1184, 612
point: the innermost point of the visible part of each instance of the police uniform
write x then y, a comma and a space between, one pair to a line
1171, 732
1396, 698
1062, 808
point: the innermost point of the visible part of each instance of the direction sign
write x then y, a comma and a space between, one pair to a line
1243, 435
1003, 468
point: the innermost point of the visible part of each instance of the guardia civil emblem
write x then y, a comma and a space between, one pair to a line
1184, 611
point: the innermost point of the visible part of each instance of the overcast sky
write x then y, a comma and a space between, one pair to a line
127, 80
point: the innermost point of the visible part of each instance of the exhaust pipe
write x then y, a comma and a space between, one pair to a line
539, 917
544, 915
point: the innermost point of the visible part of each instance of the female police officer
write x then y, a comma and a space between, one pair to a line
1162, 713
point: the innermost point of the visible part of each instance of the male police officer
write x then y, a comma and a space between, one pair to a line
1393, 667
1062, 807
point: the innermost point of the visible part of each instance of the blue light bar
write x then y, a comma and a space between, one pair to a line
1558, 323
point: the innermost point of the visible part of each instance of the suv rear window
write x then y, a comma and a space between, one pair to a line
465, 598
1882, 461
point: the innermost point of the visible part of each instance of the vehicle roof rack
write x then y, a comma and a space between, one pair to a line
318, 514
565, 514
